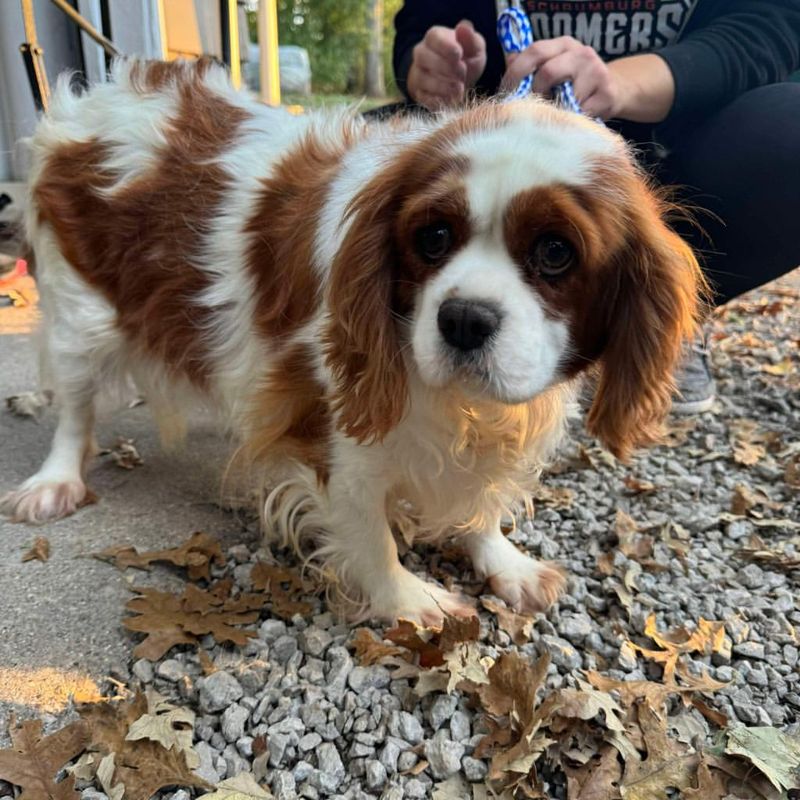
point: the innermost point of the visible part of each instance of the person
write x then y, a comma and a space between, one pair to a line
697, 86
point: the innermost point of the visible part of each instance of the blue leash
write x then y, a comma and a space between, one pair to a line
515, 34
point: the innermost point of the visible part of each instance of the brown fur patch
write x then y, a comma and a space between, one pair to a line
630, 301
154, 76
138, 245
283, 230
289, 416
376, 274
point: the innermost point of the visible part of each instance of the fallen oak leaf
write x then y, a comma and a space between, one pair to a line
465, 663
33, 761
774, 753
518, 626
170, 726
598, 779
638, 486
242, 787
133, 769
744, 498
284, 587
652, 692
170, 619
124, 453
40, 550
667, 764
707, 638
29, 404
418, 640
370, 649
197, 554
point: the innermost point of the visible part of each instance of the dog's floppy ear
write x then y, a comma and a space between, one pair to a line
649, 313
363, 346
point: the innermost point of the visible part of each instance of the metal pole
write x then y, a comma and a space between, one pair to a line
268, 49
33, 56
229, 23
86, 27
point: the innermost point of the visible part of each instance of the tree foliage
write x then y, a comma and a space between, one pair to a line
336, 35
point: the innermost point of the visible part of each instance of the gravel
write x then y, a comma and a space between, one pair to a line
336, 729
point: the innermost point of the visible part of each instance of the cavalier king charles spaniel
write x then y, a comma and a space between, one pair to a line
391, 317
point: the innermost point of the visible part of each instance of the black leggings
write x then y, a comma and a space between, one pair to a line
743, 165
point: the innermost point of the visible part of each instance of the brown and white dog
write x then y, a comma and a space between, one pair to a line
391, 317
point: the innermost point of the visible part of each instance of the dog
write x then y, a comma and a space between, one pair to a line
391, 317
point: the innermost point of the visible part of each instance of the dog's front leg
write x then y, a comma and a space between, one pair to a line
527, 585
360, 548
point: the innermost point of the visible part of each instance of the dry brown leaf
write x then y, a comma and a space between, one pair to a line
653, 693
124, 453
466, 665
712, 784
418, 640
791, 473
744, 498
33, 761
558, 497
513, 685
637, 486
758, 551
668, 764
135, 769
456, 630
169, 619
170, 726
750, 443
434, 644
707, 638
370, 649
197, 554
678, 430
597, 779
29, 404
242, 787
40, 551
285, 588
206, 663
517, 626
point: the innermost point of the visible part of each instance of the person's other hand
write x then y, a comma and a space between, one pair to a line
445, 64
557, 60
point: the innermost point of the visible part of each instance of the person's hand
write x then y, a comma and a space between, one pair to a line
597, 88
445, 64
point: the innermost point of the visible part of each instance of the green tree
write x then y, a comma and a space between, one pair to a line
337, 37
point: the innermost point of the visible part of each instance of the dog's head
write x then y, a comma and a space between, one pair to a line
510, 249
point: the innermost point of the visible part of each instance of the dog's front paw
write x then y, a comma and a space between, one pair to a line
406, 596
529, 586
40, 501
525, 584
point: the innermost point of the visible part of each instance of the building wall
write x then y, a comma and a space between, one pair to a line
135, 31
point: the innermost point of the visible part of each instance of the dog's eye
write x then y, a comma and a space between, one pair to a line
434, 241
551, 256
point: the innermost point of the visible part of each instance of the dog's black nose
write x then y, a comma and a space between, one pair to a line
467, 324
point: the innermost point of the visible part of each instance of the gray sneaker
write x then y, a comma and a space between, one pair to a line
696, 389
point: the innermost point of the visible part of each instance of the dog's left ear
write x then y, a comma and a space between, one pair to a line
363, 347
650, 311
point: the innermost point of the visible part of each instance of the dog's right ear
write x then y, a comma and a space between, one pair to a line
363, 347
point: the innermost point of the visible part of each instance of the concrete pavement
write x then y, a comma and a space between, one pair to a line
60, 620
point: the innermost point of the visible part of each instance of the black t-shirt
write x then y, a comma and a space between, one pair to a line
613, 28
716, 49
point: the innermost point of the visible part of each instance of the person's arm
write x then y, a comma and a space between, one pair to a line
645, 88
731, 46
